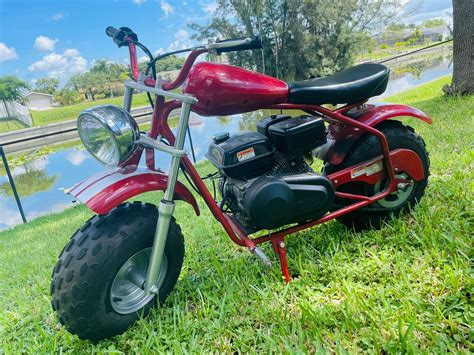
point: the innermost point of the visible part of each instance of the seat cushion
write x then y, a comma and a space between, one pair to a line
349, 86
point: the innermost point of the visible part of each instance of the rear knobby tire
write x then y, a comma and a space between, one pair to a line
368, 147
87, 266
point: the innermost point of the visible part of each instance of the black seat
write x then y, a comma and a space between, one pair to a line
349, 86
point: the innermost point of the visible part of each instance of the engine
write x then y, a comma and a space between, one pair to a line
265, 180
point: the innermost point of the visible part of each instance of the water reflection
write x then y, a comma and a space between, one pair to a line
40, 182
30, 178
417, 69
77, 157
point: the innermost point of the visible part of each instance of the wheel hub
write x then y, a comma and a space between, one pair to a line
127, 293
398, 197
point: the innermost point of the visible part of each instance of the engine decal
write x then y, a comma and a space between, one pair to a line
367, 170
374, 168
358, 172
246, 154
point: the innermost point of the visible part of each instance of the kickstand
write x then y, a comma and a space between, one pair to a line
280, 249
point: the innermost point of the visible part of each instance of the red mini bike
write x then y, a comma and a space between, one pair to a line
128, 257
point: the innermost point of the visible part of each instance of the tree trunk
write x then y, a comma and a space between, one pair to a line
463, 46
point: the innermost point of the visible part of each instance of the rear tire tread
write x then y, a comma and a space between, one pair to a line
367, 147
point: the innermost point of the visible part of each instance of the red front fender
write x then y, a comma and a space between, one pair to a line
344, 136
106, 190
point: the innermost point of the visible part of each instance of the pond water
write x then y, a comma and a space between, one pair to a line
418, 69
40, 182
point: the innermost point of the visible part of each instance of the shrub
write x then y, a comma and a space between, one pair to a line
400, 44
67, 97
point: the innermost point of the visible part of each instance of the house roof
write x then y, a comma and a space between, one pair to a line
37, 93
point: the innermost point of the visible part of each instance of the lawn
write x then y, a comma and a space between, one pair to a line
10, 124
58, 114
405, 288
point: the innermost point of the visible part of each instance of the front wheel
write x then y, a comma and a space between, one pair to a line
94, 286
368, 147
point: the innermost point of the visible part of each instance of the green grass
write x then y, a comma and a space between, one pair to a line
10, 124
58, 114
405, 288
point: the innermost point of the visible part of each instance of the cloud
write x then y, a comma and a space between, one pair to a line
7, 53
182, 41
167, 8
9, 216
43, 43
61, 66
138, 2
58, 17
71, 52
77, 157
209, 8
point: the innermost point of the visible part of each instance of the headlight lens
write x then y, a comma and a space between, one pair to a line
109, 133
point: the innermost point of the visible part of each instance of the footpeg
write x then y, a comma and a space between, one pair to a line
259, 252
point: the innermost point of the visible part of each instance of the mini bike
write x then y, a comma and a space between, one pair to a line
128, 257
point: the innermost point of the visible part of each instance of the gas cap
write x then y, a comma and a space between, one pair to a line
220, 137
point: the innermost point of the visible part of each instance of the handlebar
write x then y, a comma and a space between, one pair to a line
124, 36
111, 31
237, 44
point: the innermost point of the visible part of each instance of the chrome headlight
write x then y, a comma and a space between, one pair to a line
109, 133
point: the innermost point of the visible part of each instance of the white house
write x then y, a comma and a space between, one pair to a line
38, 101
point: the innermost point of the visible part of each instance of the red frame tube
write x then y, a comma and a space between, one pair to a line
231, 225
132, 50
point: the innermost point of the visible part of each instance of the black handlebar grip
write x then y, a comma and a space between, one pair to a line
255, 43
122, 36
111, 31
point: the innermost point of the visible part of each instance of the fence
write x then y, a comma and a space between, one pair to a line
11, 109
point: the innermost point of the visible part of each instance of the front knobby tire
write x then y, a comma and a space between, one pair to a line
84, 275
368, 147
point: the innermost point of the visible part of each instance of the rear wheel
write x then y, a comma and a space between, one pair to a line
398, 136
94, 286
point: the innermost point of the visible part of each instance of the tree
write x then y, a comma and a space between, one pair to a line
415, 36
396, 27
67, 97
100, 79
169, 63
301, 39
434, 22
89, 83
46, 85
463, 47
10, 88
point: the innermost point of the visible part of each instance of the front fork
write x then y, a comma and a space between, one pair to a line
166, 206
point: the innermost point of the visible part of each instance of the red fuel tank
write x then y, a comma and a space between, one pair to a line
225, 90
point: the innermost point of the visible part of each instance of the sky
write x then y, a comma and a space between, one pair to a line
62, 37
